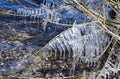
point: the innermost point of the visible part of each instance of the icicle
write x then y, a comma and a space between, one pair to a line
79, 50
66, 35
94, 63
70, 35
97, 43
93, 76
107, 75
35, 11
53, 6
67, 46
59, 47
31, 18
44, 25
74, 48
39, 11
34, 17
24, 12
64, 51
18, 11
21, 11
87, 60
84, 74
62, 46
44, 2
47, 16
55, 50
48, 5
32, 12
27, 12
25, 16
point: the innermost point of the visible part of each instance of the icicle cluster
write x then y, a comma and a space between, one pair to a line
44, 11
50, 4
81, 44
30, 11
111, 68
39, 13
